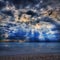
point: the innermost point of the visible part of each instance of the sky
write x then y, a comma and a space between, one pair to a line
30, 20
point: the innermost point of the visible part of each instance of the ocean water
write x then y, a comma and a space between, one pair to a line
13, 48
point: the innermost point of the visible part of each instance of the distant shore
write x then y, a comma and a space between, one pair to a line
22, 41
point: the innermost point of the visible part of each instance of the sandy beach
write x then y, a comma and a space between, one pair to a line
31, 57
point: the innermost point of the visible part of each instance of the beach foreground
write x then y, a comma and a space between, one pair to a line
32, 57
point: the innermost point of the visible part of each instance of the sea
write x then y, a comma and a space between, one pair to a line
13, 48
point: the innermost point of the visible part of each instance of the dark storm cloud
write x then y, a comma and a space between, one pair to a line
17, 2
32, 3
2, 4
7, 13
31, 13
21, 1
24, 3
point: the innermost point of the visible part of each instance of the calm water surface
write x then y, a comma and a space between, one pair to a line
12, 48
